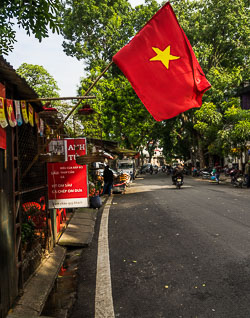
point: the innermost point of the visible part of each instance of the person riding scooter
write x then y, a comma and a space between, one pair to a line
177, 172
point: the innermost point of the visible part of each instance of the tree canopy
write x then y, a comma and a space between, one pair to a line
35, 17
39, 79
218, 31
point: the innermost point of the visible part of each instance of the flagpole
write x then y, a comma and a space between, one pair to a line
65, 119
59, 98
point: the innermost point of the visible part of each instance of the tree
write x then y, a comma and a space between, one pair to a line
96, 30
120, 114
218, 32
39, 79
35, 17
46, 86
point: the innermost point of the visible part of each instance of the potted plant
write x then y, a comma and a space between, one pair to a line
27, 234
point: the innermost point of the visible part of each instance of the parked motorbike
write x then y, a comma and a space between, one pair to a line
205, 174
237, 181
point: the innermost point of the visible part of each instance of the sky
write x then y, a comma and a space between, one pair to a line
66, 70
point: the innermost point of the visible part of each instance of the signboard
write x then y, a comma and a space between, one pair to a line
67, 181
2, 138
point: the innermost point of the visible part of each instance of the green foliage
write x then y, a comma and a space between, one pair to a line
218, 31
39, 79
120, 114
28, 232
35, 17
95, 30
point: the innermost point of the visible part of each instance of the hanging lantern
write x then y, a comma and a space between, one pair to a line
85, 110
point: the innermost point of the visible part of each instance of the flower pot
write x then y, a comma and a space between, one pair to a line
95, 202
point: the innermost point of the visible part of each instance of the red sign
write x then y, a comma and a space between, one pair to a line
2, 131
67, 182
2, 138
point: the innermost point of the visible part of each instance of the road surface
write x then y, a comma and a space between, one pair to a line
173, 253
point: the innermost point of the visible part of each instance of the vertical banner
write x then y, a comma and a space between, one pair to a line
3, 120
2, 90
18, 113
24, 111
31, 115
37, 121
67, 182
41, 127
2, 138
10, 111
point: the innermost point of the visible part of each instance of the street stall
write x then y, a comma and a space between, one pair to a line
24, 224
28, 224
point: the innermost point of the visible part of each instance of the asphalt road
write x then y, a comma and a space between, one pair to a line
174, 253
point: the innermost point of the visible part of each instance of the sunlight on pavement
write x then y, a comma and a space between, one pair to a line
137, 188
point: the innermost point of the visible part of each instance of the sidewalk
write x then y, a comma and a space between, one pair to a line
79, 233
38, 287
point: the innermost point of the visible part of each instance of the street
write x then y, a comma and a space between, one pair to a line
173, 253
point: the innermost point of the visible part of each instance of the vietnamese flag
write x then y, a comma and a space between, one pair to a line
162, 68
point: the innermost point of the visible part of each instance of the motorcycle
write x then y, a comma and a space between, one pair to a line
178, 182
205, 174
237, 181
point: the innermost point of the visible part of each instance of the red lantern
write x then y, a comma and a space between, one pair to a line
85, 110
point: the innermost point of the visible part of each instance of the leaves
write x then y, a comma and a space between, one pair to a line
35, 17
218, 31
39, 79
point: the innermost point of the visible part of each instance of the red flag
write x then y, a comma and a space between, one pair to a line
162, 68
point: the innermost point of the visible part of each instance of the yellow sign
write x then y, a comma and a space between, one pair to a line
24, 112
3, 120
31, 115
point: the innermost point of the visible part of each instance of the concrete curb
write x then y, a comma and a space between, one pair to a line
39, 286
79, 232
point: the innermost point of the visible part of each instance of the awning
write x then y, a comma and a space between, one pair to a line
111, 147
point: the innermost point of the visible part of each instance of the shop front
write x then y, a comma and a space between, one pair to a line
25, 224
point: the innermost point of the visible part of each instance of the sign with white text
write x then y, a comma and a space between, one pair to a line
67, 181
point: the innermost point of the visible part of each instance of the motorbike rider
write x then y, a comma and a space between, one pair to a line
177, 172
151, 169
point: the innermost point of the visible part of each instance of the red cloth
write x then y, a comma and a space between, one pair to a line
166, 89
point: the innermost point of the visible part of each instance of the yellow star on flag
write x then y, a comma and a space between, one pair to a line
164, 56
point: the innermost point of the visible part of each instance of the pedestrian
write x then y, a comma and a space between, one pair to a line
108, 180
217, 171
247, 173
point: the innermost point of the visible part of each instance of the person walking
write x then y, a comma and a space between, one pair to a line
217, 171
108, 180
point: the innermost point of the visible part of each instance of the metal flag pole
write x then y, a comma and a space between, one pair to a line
59, 98
65, 119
